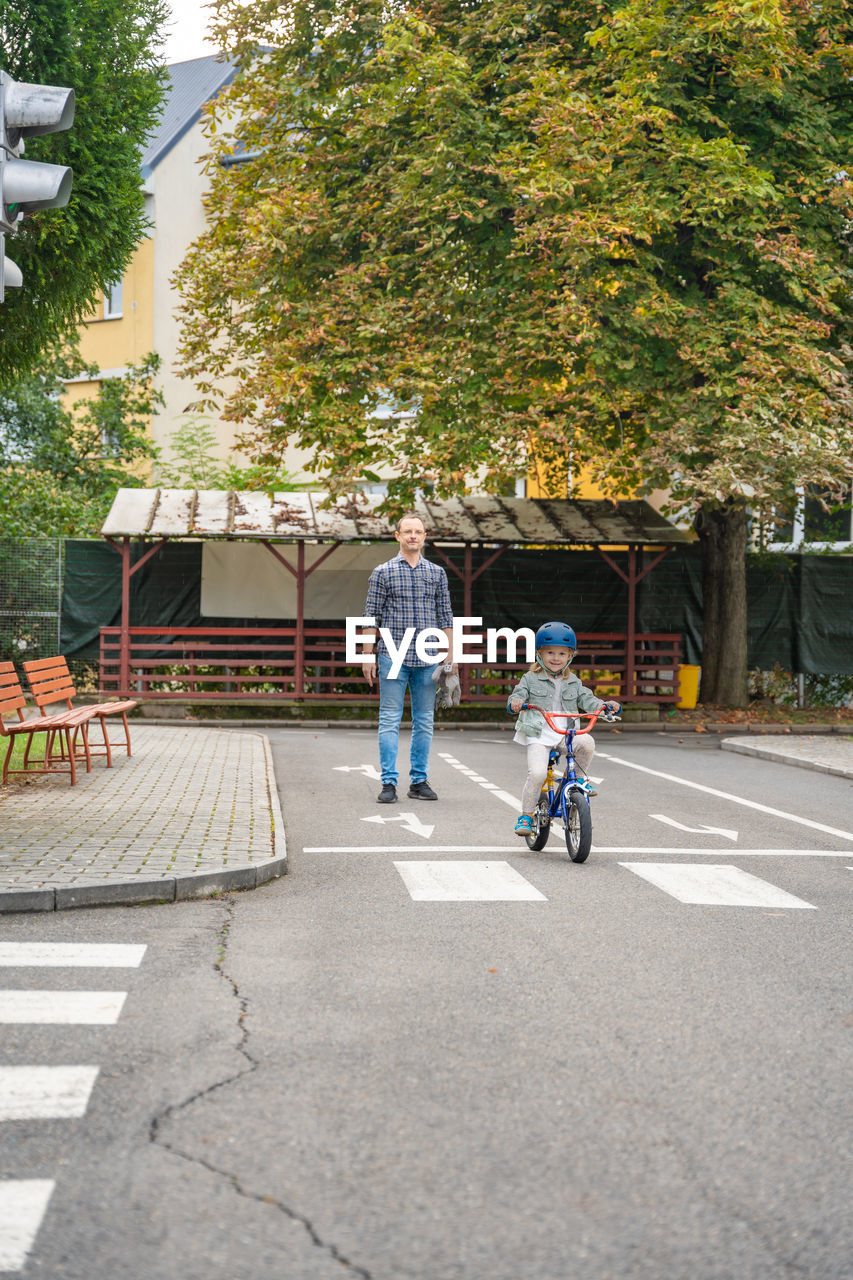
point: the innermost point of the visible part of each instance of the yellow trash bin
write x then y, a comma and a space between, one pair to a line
688, 686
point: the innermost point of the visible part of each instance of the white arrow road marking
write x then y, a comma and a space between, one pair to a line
726, 795
72, 1007
86, 955
715, 886
369, 770
45, 1093
699, 831
466, 882
22, 1206
410, 821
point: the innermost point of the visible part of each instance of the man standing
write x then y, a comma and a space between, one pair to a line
408, 591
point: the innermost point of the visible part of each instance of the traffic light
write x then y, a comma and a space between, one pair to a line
10, 272
26, 111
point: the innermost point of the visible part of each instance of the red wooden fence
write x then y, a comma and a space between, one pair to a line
253, 664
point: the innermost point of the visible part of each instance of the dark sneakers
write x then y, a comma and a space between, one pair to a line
421, 791
388, 794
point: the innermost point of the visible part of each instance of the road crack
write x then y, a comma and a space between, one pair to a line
156, 1132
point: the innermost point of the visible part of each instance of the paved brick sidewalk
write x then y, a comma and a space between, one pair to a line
825, 753
193, 810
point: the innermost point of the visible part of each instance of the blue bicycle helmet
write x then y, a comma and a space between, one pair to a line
556, 633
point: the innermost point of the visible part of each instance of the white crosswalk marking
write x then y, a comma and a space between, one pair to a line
22, 1206
721, 886
81, 1007
41, 1092
86, 955
45, 1093
466, 882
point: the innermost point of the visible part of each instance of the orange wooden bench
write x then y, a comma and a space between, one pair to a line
64, 726
50, 682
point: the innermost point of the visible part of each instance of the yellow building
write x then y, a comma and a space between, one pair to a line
138, 315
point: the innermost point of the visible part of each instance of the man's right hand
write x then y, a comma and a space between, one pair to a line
369, 669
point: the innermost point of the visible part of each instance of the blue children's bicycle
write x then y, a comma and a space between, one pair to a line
565, 796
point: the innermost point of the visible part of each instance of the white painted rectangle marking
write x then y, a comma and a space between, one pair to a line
466, 882
88, 1008
45, 1093
81, 955
714, 886
22, 1206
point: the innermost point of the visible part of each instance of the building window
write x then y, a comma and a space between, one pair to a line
813, 526
113, 301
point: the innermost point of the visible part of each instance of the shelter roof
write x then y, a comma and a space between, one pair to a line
216, 513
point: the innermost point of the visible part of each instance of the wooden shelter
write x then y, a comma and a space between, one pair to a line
285, 523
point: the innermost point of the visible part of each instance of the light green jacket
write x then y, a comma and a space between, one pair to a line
536, 687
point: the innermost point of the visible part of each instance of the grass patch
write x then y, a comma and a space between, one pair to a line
19, 746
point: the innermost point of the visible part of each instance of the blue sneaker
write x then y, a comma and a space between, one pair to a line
524, 826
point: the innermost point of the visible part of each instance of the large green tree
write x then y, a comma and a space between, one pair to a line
61, 463
619, 231
108, 52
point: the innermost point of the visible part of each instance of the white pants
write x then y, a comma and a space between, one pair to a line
537, 766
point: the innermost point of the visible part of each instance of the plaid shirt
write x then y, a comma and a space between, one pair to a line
400, 596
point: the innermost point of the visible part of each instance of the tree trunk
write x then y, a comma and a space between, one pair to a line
722, 537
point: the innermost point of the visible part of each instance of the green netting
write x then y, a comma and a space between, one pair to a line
30, 597
800, 608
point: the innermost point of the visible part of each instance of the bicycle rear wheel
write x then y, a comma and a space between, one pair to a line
578, 826
541, 824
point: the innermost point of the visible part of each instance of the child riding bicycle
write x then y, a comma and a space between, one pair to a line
550, 685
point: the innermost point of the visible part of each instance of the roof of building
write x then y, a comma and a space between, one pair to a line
215, 513
191, 85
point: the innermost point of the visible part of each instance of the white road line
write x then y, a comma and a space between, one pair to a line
726, 853
726, 795
45, 1093
717, 886
514, 802
86, 955
620, 849
22, 1206
466, 882
408, 848
71, 1007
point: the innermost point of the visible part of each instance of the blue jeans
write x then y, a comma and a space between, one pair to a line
421, 688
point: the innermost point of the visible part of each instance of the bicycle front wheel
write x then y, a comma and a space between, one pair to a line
578, 826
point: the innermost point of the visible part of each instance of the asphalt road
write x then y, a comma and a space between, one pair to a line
352, 1072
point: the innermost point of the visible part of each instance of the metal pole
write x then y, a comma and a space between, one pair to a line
467, 597
299, 656
124, 648
630, 691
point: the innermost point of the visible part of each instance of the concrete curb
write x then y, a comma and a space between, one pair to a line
181, 888
106, 893
780, 757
